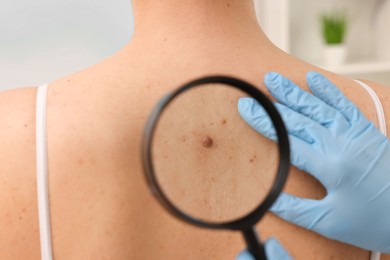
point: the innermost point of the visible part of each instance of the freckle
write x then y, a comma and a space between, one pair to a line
224, 122
26, 125
23, 210
92, 161
251, 160
206, 141
81, 161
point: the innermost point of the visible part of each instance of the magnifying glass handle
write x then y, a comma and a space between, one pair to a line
254, 244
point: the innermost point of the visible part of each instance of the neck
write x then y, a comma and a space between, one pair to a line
186, 20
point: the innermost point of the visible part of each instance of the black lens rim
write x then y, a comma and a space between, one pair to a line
255, 215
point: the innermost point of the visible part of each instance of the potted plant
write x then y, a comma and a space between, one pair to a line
334, 28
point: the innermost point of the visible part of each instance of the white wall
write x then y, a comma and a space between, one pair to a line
297, 29
42, 40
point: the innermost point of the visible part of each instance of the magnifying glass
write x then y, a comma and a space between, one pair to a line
202, 161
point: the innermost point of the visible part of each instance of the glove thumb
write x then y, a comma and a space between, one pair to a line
273, 249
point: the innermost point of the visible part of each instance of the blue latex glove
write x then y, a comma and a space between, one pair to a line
332, 140
273, 250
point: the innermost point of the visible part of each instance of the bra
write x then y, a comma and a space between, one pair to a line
42, 174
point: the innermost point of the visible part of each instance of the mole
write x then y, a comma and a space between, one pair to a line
251, 160
206, 141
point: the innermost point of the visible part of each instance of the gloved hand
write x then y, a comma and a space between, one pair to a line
273, 251
332, 140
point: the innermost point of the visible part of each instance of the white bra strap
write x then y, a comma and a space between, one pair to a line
382, 127
42, 178
378, 106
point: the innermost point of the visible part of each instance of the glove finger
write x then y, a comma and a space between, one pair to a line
306, 157
331, 95
275, 251
293, 97
305, 135
306, 142
256, 116
299, 211
300, 126
245, 255
296, 124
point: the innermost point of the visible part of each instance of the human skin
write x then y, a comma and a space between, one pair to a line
101, 207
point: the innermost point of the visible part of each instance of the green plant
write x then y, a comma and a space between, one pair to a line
334, 27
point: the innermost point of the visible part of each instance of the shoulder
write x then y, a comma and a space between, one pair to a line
381, 89
17, 173
16, 100
17, 118
17, 124
383, 93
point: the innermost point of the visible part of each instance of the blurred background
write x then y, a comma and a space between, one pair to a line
42, 40
297, 27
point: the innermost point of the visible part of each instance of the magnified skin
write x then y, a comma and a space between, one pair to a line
193, 172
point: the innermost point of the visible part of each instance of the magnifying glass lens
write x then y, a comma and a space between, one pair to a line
208, 162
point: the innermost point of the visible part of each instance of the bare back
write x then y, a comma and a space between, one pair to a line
101, 207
